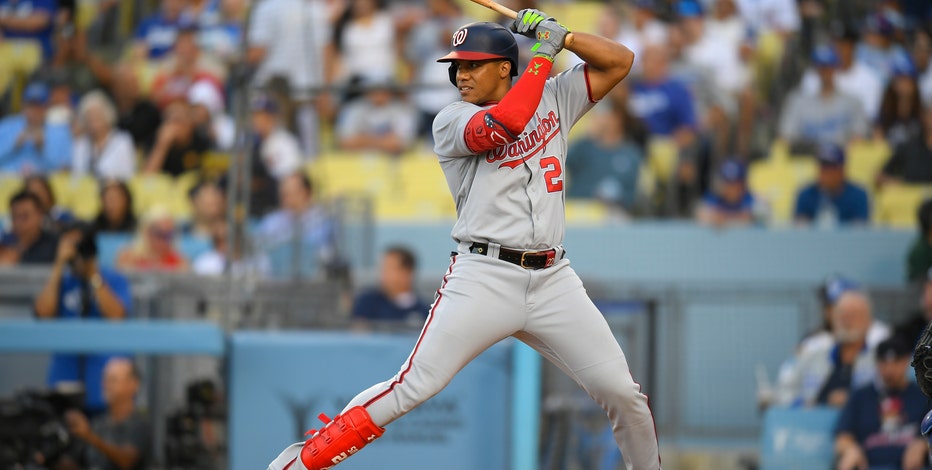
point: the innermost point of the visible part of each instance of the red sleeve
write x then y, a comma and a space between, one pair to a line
502, 123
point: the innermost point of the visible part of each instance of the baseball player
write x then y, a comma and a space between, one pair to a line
502, 150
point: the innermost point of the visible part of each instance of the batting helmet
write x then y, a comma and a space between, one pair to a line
482, 41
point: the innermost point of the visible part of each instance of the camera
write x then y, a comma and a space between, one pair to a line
31, 423
194, 439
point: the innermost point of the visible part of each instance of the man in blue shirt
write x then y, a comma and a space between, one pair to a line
155, 35
29, 20
28, 144
730, 203
394, 300
832, 199
879, 426
83, 290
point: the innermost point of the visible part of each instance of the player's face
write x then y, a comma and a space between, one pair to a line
480, 81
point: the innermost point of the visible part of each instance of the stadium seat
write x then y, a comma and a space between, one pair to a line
346, 173
10, 184
80, 194
865, 160
585, 212
798, 439
150, 190
662, 157
896, 205
777, 185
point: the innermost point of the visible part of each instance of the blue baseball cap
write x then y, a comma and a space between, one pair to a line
902, 66
732, 171
835, 286
830, 155
825, 56
688, 9
36, 93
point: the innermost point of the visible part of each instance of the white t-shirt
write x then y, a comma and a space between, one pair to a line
368, 50
718, 51
636, 40
280, 153
361, 117
116, 160
857, 81
770, 15
294, 34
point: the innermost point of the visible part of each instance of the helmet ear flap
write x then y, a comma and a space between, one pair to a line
452, 71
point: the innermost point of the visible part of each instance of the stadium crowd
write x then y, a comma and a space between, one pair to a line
129, 117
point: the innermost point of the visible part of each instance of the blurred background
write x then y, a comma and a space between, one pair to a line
748, 209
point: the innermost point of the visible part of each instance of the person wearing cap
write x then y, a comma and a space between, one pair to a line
825, 375
730, 203
830, 116
829, 292
102, 150
879, 47
852, 76
832, 200
879, 425
911, 161
900, 117
28, 144
378, 121
207, 109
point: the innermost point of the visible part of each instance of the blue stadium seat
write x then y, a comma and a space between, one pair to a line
798, 439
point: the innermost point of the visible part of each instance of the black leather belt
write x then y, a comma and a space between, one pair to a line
525, 259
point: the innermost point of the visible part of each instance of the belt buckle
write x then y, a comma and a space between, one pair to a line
523, 254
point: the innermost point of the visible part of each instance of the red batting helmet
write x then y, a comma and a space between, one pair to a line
482, 41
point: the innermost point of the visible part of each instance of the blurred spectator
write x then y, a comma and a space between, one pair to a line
101, 149
116, 209
289, 41
28, 242
852, 77
780, 17
832, 200
640, 29
828, 117
919, 258
364, 37
222, 38
429, 37
78, 287
30, 145
135, 113
209, 205
911, 330
276, 154
60, 109
203, 13
667, 109
121, 438
207, 111
28, 22
54, 216
379, 121
900, 117
879, 426
730, 204
822, 337
825, 376
156, 34
180, 146
153, 248
879, 48
185, 67
394, 300
299, 223
922, 57
215, 262
911, 161
606, 163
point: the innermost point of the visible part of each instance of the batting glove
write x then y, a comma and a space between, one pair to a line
527, 20
550, 37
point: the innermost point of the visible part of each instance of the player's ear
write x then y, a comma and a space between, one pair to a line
504, 69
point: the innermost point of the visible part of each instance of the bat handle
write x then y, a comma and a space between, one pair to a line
505, 11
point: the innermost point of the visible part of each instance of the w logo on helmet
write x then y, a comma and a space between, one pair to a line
543, 35
459, 37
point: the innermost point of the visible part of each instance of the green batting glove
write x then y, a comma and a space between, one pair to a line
527, 20
550, 37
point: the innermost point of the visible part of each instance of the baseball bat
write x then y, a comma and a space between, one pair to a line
503, 10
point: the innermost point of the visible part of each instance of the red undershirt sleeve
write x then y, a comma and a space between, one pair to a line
501, 124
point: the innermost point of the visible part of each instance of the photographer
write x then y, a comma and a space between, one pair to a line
83, 290
118, 440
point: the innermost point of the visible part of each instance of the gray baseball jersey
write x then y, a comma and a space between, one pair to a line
512, 197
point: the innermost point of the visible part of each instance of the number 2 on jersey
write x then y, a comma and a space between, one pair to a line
553, 173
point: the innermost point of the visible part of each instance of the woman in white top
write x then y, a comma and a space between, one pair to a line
101, 149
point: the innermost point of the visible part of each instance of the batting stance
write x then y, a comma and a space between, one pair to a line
502, 150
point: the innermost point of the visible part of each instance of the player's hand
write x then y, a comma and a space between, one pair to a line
527, 20
852, 459
551, 37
